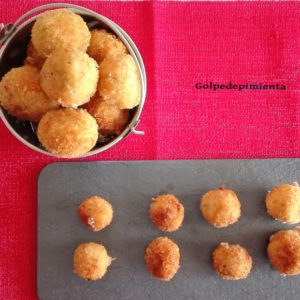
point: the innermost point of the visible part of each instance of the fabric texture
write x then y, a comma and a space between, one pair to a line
182, 44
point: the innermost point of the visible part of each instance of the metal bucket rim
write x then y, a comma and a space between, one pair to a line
19, 24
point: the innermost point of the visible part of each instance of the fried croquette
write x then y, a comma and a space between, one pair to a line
283, 203
284, 251
60, 28
95, 212
22, 96
103, 44
33, 57
110, 118
69, 77
68, 132
232, 261
162, 258
91, 260
220, 207
119, 81
166, 212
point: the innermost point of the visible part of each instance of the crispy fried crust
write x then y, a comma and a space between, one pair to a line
95, 212
22, 95
283, 203
284, 251
110, 118
119, 81
68, 132
232, 261
220, 207
162, 258
103, 44
91, 260
60, 28
69, 77
166, 212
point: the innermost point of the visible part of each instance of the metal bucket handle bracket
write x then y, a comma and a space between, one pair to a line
5, 31
132, 129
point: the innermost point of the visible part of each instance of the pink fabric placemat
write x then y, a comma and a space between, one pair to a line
182, 43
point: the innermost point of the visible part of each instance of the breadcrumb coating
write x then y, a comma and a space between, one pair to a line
91, 260
283, 203
162, 258
220, 207
59, 28
22, 96
103, 44
119, 81
284, 251
69, 77
232, 261
166, 212
110, 118
95, 212
68, 132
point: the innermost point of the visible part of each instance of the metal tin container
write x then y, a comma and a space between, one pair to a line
14, 38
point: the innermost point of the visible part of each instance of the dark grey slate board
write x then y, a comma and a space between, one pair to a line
129, 186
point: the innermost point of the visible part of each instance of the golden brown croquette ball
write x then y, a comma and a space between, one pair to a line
69, 77
95, 212
68, 132
33, 58
166, 212
284, 251
22, 96
91, 260
283, 203
103, 44
60, 28
110, 118
220, 207
232, 261
119, 81
162, 258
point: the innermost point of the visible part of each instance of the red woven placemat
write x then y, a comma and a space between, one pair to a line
182, 43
